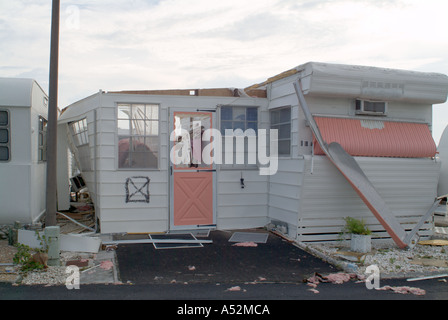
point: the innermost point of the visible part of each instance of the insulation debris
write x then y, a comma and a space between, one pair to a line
245, 244
106, 265
405, 290
236, 288
336, 278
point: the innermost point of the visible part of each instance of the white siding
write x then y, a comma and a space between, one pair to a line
239, 208
408, 186
285, 192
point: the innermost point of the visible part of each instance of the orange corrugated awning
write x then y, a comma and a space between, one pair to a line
376, 138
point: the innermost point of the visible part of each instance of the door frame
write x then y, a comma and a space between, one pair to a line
171, 170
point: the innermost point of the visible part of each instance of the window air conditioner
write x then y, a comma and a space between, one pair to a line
371, 107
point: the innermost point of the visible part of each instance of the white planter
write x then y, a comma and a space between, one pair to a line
361, 243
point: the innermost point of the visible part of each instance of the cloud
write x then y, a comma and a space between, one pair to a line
141, 44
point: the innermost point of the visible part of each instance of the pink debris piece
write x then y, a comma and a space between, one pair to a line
313, 290
235, 288
338, 278
106, 265
405, 290
191, 268
246, 244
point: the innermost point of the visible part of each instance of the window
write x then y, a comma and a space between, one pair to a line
244, 118
281, 120
42, 143
80, 135
80, 132
5, 137
138, 136
239, 118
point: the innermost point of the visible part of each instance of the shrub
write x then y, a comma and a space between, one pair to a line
356, 226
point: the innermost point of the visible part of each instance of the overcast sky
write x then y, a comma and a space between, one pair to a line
176, 44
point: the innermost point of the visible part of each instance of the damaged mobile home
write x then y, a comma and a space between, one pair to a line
124, 144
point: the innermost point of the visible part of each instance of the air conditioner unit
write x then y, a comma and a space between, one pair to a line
377, 108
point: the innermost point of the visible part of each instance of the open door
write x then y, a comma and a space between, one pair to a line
192, 180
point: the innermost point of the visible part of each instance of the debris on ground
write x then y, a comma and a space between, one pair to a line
236, 288
434, 242
106, 265
245, 244
405, 290
336, 278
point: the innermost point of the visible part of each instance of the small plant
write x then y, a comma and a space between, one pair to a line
24, 256
356, 226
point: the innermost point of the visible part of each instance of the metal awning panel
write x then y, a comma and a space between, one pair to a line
377, 138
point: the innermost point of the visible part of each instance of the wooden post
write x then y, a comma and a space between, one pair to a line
51, 188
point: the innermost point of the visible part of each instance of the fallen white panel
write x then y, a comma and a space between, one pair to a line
249, 237
29, 238
79, 243
71, 243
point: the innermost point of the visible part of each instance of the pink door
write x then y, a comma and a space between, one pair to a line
192, 179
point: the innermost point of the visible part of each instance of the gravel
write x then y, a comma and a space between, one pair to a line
391, 261
51, 276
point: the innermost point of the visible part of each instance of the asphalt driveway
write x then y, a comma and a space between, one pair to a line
276, 261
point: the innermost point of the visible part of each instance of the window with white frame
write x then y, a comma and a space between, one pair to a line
42, 142
138, 136
281, 121
5, 136
80, 134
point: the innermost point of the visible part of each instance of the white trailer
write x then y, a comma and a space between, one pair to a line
382, 117
23, 114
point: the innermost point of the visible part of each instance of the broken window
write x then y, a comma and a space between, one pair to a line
281, 121
138, 136
5, 137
